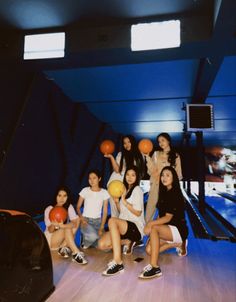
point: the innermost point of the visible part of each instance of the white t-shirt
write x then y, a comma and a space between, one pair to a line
136, 200
71, 214
93, 202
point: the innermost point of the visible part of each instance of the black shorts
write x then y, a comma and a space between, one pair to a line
132, 232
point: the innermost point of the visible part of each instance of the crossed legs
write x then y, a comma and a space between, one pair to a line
159, 236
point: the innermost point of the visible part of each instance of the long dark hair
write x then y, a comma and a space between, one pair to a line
133, 156
172, 153
135, 184
175, 185
68, 201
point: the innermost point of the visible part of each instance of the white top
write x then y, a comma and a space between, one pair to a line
93, 202
136, 200
71, 214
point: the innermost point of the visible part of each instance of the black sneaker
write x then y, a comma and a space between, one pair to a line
79, 258
113, 268
128, 248
150, 272
64, 252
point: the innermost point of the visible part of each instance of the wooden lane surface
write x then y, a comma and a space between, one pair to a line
207, 274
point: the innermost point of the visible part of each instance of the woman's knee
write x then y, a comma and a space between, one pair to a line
155, 229
102, 245
112, 222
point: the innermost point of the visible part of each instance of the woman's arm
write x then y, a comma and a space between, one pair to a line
159, 221
130, 208
114, 163
137, 200
79, 205
51, 227
104, 217
71, 225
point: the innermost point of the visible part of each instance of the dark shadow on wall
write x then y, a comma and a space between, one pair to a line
45, 140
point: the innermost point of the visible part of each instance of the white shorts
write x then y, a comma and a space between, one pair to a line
175, 234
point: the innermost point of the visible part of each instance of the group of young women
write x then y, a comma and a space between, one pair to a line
127, 224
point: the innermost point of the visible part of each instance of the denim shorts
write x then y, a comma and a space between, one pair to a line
90, 232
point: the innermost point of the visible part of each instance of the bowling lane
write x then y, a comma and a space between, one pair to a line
225, 207
231, 197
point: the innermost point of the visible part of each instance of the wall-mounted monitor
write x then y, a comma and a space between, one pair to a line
199, 117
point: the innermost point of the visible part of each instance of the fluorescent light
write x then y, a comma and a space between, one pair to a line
155, 35
42, 46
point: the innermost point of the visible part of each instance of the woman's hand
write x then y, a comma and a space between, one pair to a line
83, 222
148, 227
100, 231
108, 155
55, 226
116, 199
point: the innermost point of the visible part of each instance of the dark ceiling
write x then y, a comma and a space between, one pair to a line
136, 92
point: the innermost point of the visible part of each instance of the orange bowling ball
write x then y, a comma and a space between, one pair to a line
107, 147
145, 146
58, 214
116, 188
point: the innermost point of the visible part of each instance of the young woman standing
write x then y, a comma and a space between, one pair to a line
166, 156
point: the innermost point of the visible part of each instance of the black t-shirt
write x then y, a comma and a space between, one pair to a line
173, 204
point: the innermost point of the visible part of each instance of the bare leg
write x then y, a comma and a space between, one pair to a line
158, 232
117, 227
104, 243
166, 246
57, 238
154, 244
70, 240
